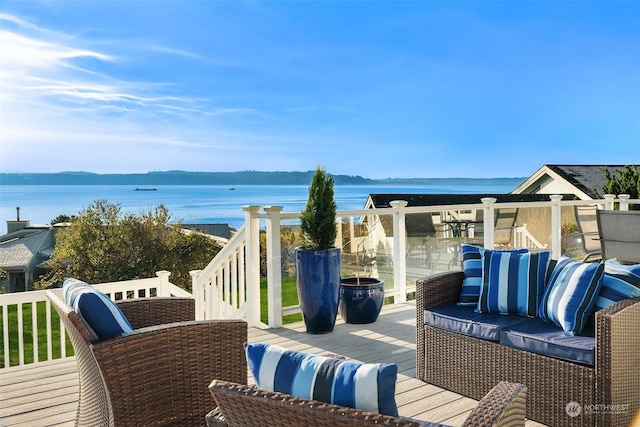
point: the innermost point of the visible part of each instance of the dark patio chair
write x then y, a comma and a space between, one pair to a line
244, 406
619, 233
159, 373
505, 223
588, 229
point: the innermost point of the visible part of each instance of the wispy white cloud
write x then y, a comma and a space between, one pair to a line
57, 89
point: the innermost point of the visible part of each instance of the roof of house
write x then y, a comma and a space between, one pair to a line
421, 225
19, 252
588, 180
219, 230
383, 200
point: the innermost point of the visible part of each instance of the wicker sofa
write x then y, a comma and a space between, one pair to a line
244, 406
608, 391
158, 374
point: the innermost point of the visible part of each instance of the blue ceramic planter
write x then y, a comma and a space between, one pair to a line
318, 282
361, 303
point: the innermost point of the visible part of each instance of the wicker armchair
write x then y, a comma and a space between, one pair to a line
246, 406
157, 375
470, 366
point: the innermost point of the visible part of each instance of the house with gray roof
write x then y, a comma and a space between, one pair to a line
23, 252
584, 181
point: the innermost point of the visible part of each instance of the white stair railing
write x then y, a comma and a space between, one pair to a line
229, 286
219, 289
524, 238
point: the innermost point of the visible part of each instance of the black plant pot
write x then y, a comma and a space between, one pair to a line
361, 302
318, 283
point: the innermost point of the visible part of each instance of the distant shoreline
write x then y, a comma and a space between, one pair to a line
225, 178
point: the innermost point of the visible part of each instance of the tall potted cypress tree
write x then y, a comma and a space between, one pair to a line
318, 259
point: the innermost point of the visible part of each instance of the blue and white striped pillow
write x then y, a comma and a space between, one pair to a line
472, 267
71, 288
571, 293
512, 283
618, 282
99, 313
368, 387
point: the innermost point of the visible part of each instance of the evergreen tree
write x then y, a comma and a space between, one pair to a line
318, 218
626, 181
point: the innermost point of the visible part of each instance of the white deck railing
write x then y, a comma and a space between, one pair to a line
41, 319
219, 288
229, 287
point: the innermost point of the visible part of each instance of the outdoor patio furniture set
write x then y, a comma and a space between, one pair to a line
569, 331
513, 330
147, 362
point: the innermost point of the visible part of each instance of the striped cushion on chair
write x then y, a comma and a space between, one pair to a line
71, 288
512, 283
369, 387
571, 293
472, 267
99, 313
619, 282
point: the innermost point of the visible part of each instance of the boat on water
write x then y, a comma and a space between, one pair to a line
232, 188
145, 189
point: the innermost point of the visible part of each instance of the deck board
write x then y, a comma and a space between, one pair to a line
46, 394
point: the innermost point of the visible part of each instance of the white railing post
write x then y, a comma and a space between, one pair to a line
556, 220
274, 266
352, 234
608, 204
624, 201
252, 228
198, 294
399, 249
489, 226
339, 235
163, 275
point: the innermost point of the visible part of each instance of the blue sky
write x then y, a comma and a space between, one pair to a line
372, 88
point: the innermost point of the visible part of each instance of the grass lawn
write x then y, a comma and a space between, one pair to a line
289, 297
12, 314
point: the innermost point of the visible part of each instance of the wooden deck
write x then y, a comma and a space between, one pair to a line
45, 394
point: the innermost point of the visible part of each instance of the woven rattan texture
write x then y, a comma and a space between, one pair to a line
470, 366
157, 375
248, 406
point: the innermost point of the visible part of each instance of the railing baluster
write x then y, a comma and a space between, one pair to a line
20, 336
34, 330
5, 333
241, 276
49, 331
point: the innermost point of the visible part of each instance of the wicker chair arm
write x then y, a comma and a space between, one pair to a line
243, 406
503, 406
143, 312
440, 289
160, 374
617, 360
433, 291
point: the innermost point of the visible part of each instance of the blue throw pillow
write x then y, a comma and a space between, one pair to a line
472, 268
71, 288
99, 313
368, 387
512, 283
571, 294
619, 282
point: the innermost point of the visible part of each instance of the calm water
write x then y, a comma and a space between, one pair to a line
193, 204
